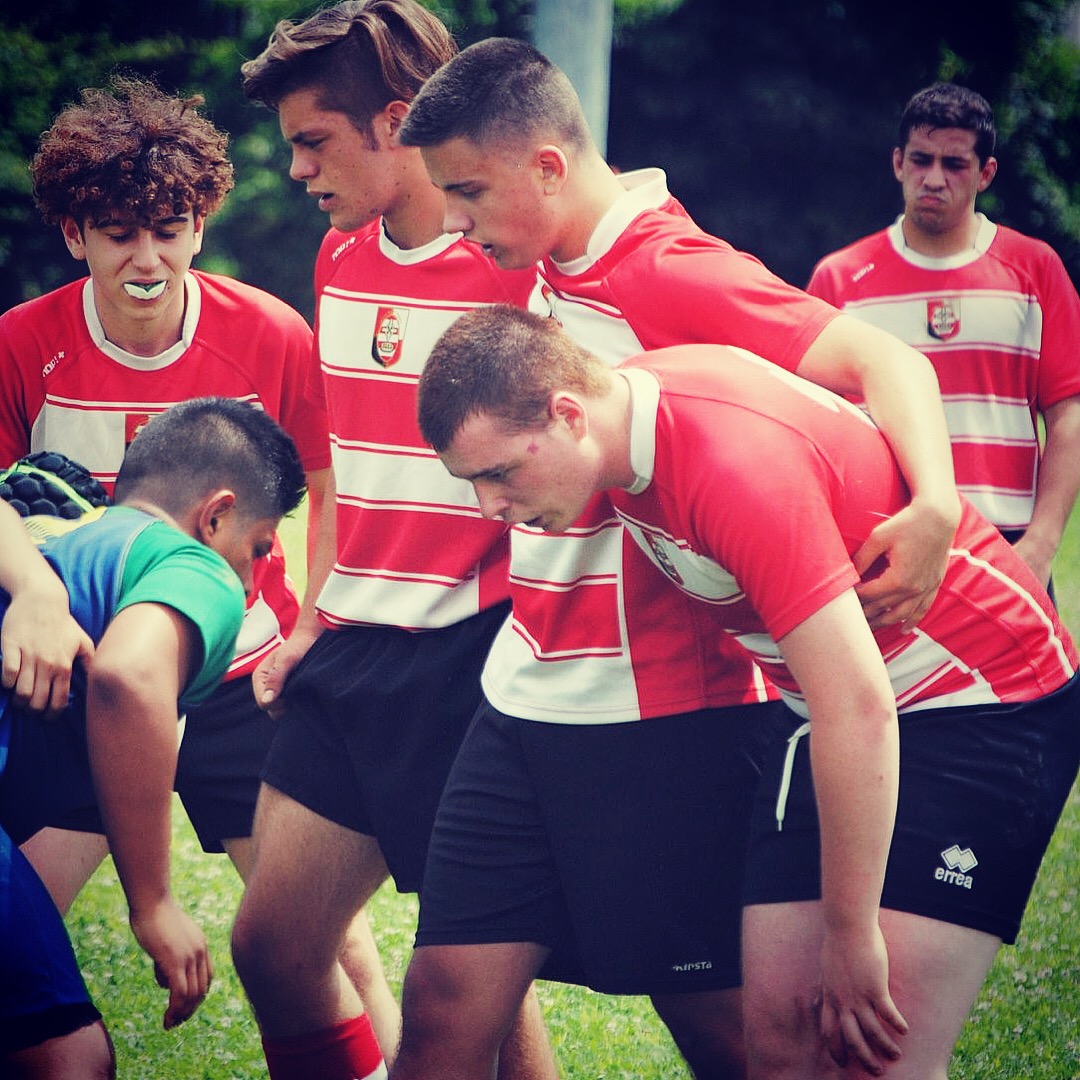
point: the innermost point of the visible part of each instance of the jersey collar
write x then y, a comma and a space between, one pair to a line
644, 403
645, 189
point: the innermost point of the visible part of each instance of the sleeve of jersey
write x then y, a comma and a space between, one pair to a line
302, 414
761, 502
1059, 360
163, 566
823, 283
325, 265
14, 408
698, 289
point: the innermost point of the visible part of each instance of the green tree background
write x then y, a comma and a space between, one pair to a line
775, 120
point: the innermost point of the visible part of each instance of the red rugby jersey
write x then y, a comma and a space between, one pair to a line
412, 548
65, 387
1001, 325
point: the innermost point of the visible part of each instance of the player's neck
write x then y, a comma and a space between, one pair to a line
941, 245
146, 338
592, 192
154, 509
416, 218
612, 419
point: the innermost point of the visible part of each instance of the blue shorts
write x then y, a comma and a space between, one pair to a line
42, 994
374, 717
981, 790
620, 847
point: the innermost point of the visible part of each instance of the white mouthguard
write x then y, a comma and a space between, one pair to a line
145, 292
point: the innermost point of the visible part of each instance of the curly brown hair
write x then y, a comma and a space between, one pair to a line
130, 149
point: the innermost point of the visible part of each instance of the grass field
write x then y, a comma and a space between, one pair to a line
1026, 1024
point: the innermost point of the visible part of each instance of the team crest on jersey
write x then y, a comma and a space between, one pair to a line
389, 336
663, 560
134, 422
943, 317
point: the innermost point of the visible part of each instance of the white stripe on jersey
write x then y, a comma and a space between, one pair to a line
986, 419
377, 478
989, 318
418, 601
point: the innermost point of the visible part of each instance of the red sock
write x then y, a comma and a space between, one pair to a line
346, 1051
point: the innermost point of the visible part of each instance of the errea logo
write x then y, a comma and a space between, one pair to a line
959, 862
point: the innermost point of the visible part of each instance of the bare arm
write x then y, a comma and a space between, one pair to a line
901, 392
1056, 488
39, 639
316, 487
269, 677
854, 748
135, 680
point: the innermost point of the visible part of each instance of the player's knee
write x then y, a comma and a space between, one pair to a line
779, 1035
84, 1054
708, 1030
360, 958
431, 992
255, 951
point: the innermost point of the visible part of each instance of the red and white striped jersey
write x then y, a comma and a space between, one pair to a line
64, 386
1001, 325
412, 548
596, 635
753, 489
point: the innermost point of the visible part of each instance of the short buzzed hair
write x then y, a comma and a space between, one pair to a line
208, 443
496, 92
505, 362
946, 105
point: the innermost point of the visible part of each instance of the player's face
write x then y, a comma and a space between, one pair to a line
496, 198
348, 173
538, 477
241, 540
138, 272
941, 175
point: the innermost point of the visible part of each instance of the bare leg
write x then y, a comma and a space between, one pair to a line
935, 973
708, 1030
526, 1052
309, 879
460, 1003
359, 958
85, 1054
65, 860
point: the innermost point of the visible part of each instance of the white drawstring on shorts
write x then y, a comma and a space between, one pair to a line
785, 779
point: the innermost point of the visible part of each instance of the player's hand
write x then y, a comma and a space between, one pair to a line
858, 1016
40, 643
268, 679
181, 960
1038, 556
903, 564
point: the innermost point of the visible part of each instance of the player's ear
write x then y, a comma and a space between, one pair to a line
569, 410
212, 512
987, 173
553, 166
200, 232
393, 116
73, 237
898, 162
